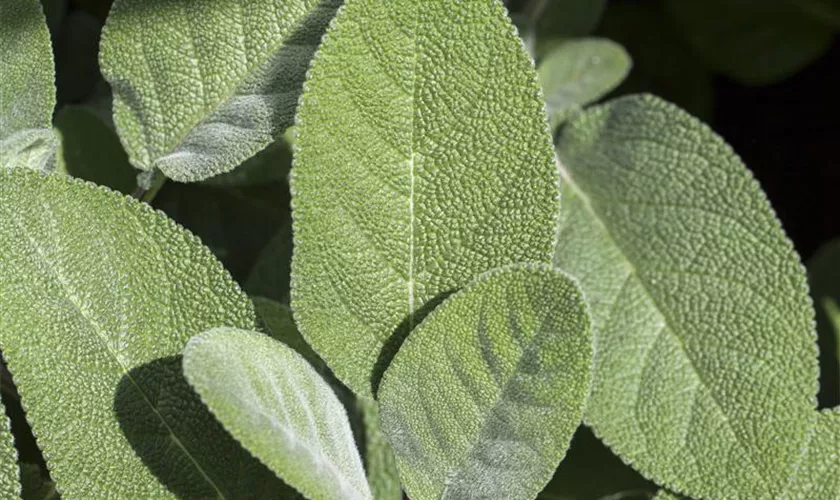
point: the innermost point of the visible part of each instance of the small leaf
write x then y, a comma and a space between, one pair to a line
271, 400
706, 372
567, 18
9, 471
100, 293
278, 321
92, 151
35, 485
483, 398
756, 42
579, 72
27, 90
223, 82
824, 279
423, 159
380, 463
271, 274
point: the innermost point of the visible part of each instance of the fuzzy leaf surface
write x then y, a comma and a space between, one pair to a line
215, 81
9, 471
27, 89
100, 294
271, 399
706, 372
485, 395
579, 72
423, 159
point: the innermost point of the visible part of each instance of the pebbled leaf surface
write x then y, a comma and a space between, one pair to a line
100, 294
705, 372
27, 89
483, 398
201, 86
423, 159
271, 399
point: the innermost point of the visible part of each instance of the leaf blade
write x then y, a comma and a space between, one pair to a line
483, 399
378, 234
279, 408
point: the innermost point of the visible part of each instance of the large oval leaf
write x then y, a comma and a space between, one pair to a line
483, 398
27, 89
706, 370
9, 471
271, 399
201, 86
424, 158
99, 295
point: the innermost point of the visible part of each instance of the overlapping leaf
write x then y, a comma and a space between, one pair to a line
212, 83
9, 471
706, 370
27, 90
271, 399
100, 293
483, 398
423, 158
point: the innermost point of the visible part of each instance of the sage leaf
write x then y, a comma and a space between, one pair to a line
278, 321
483, 398
753, 41
9, 472
213, 84
705, 372
271, 274
579, 72
423, 159
380, 463
35, 485
567, 18
27, 90
98, 367
824, 280
271, 399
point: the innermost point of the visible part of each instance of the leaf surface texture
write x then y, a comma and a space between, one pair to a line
485, 395
100, 294
212, 83
271, 399
706, 372
423, 159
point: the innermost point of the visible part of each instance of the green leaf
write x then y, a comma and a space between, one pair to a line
271, 274
666, 495
483, 398
90, 150
423, 159
756, 42
824, 280
705, 373
579, 72
27, 91
213, 84
35, 485
9, 472
567, 18
100, 294
271, 400
380, 463
278, 321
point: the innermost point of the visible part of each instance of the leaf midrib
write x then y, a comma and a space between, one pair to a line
73, 299
667, 321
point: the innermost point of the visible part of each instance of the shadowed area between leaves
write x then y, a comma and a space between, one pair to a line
392, 345
181, 442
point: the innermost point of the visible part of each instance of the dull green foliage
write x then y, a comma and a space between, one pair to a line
272, 401
483, 398
27, 92
128, 420
706, 370
9, 472
408, 178
380, 463
214, 83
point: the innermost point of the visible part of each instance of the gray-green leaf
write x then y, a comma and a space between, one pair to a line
579, 72
380, 463
100, 294
483, 398
423, 159
9, 472
706, 372
271, 400
27, 89
201, 86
